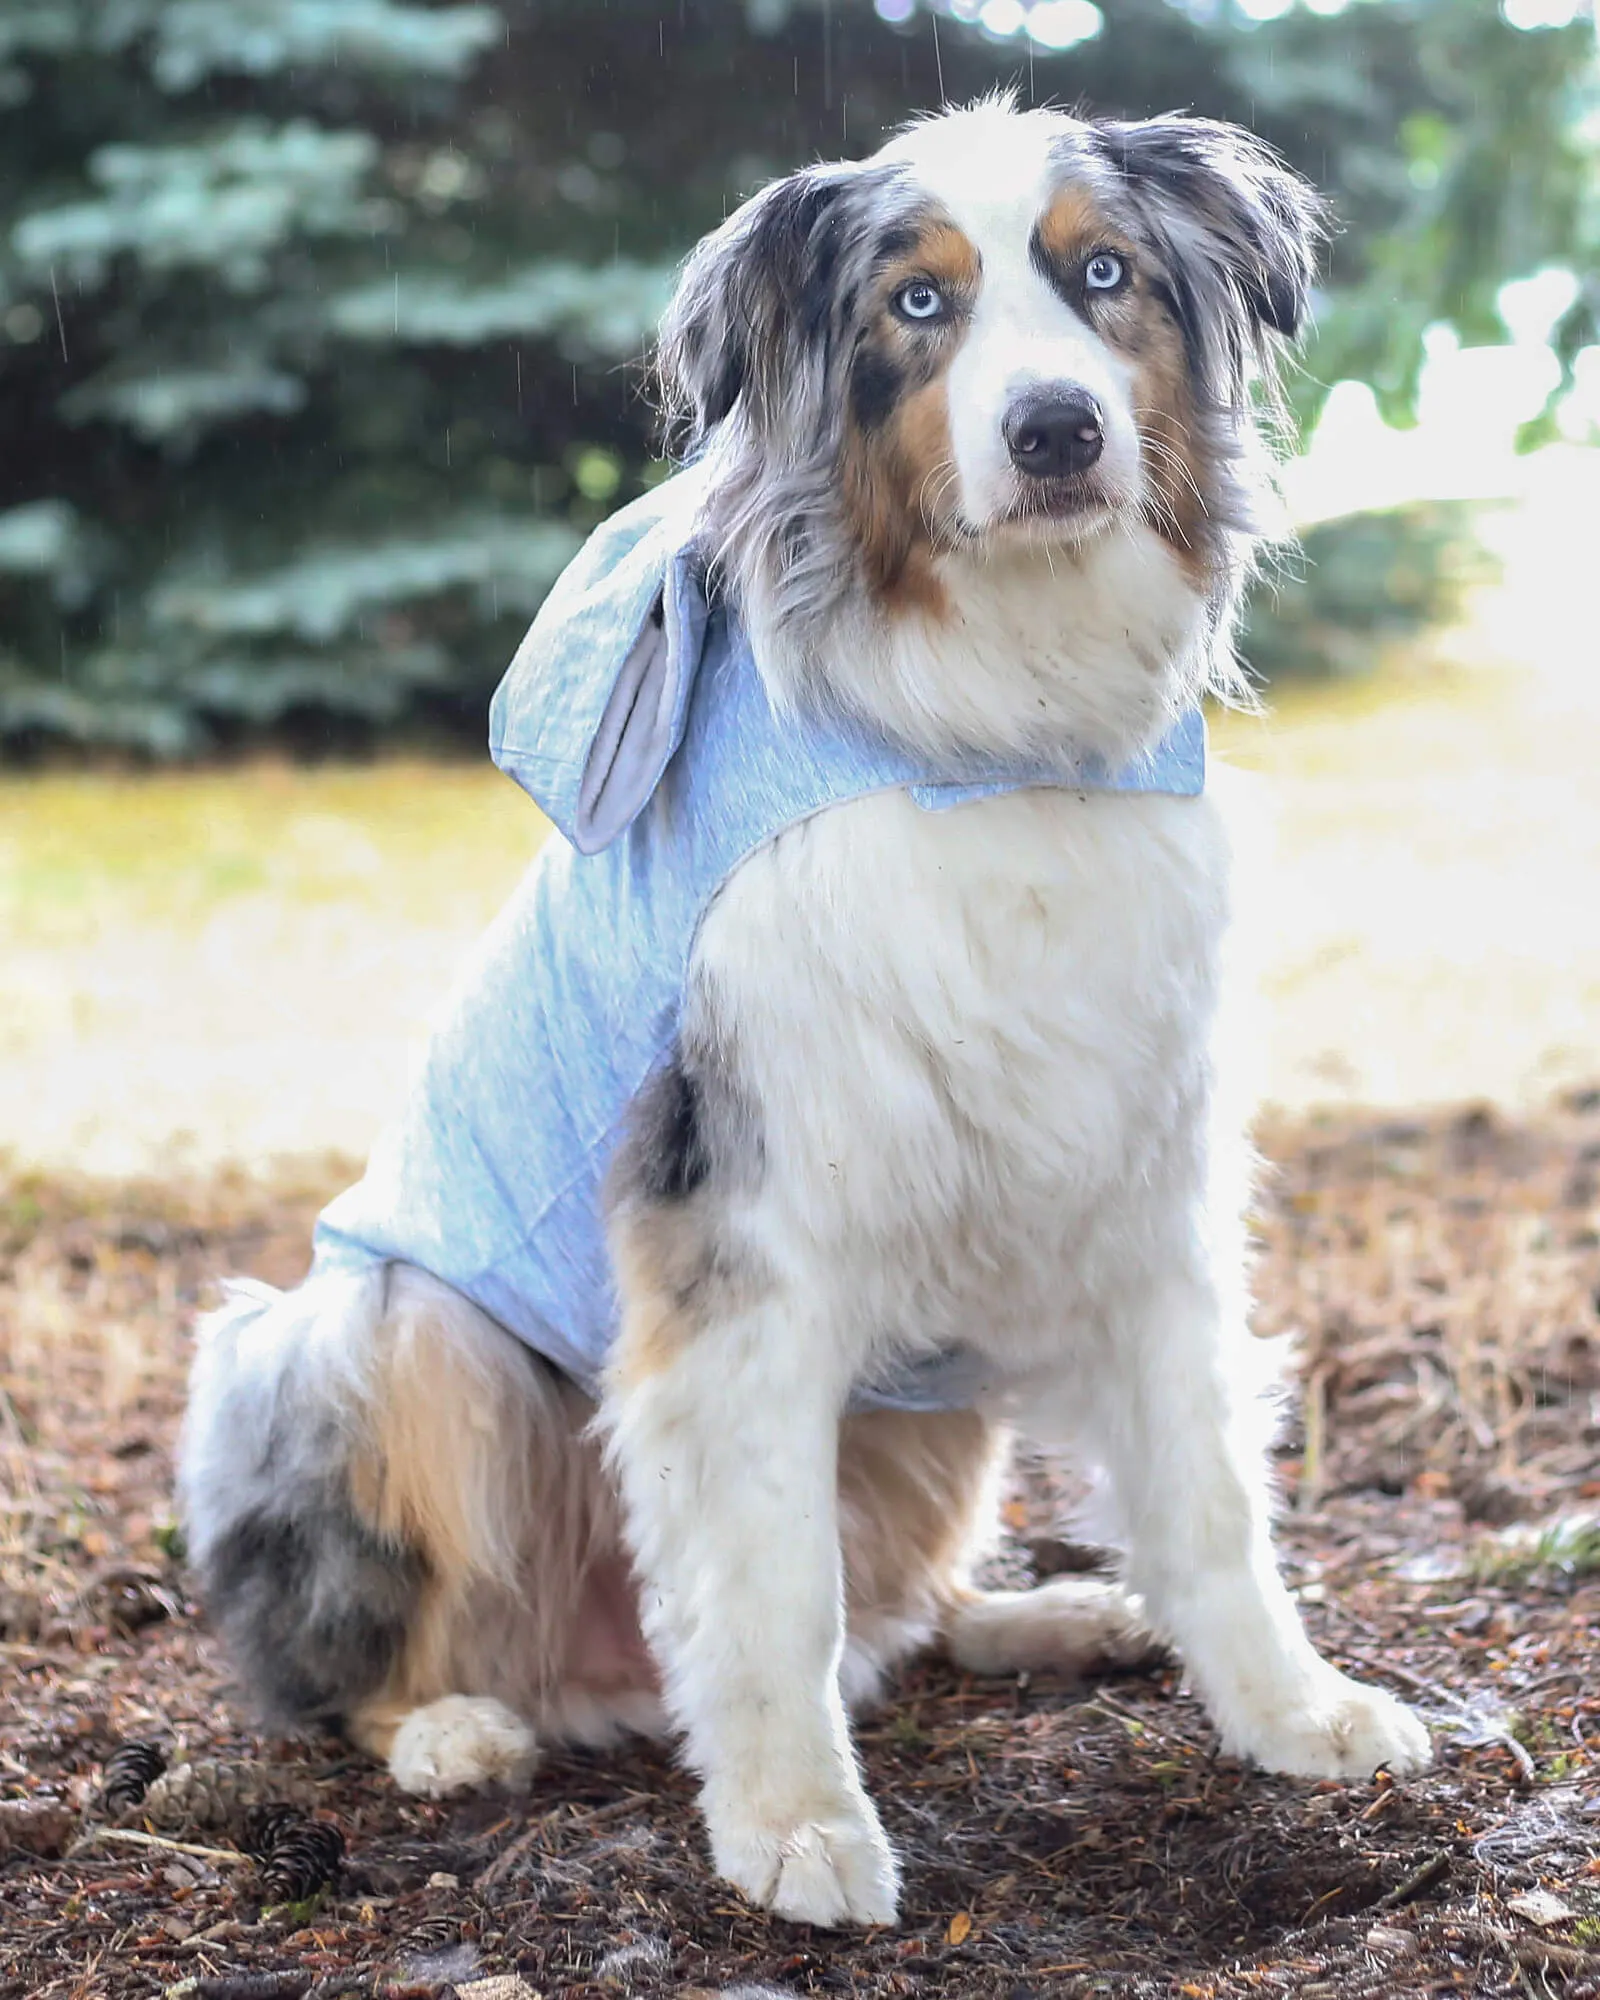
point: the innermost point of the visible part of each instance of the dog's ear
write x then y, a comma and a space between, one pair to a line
749, 323
1224, 205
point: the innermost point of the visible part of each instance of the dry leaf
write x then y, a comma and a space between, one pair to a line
960, 1928
1540, 1907
1384, 1937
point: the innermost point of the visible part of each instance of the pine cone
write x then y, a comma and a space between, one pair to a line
129, 1772
304, 1856
209, 1795
264, 1823
432, 1934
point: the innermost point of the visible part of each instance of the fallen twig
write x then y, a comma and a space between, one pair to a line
1539, 1951
556, 1820
1418, 1880
242, 1986
1107, 1704
219, 1857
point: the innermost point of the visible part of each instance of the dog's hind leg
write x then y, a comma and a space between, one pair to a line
919, 1507
455, 1743
1072, 1625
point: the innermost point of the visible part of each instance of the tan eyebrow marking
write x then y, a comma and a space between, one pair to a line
1072, 224
940, 251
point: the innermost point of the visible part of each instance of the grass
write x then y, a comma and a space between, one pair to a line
80, 853
1568, 1547
234, 964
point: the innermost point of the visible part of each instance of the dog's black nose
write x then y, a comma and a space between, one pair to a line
1054, 433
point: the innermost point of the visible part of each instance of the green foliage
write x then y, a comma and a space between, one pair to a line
320, 319
1361, 582
1568, 1547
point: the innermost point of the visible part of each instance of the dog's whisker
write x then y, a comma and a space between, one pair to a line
1164, 416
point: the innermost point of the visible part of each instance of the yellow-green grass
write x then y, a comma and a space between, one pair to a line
242, 963
235, 963
83, 852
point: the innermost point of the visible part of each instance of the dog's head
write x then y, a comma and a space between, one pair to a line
1005, 327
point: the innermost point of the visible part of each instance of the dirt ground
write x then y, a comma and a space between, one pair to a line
1442, 1276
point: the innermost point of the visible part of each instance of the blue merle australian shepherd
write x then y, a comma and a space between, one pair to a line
850, 1086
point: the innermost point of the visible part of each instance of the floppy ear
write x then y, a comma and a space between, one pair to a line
749, 323
1225, 206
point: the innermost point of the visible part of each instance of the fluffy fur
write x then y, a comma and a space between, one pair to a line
943, 1078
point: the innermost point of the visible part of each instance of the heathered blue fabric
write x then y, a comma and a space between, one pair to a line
491, 1177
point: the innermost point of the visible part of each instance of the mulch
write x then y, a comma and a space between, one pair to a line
1441, 1278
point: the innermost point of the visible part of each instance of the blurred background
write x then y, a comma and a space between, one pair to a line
321, 325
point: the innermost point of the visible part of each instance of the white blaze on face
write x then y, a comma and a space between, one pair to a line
991, 172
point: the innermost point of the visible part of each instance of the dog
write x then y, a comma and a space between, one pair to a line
933, 1138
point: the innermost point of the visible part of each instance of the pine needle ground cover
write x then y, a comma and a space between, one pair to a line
1059, 1840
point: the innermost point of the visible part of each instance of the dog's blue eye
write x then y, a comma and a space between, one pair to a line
1103, 272
919, 300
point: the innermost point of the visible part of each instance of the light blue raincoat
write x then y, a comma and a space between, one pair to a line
633, 714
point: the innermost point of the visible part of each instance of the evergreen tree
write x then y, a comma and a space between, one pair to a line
320, 319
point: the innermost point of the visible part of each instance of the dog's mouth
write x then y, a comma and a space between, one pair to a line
1076, 503
1042, 512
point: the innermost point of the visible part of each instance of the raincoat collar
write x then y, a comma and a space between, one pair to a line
596, 700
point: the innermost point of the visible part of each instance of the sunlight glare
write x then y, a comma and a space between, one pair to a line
1530, 307
1058, 24
1003, 17
1529, 14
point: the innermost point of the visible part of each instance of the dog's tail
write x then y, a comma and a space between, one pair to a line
312, 1598
387, 1500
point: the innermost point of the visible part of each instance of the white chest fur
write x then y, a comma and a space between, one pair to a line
980, 1044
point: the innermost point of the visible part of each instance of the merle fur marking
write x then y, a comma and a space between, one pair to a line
313, 1606
1237, 231
776, 291
876, 386
690, 1126
1067, 288
761, 360
755, 360
672, 1155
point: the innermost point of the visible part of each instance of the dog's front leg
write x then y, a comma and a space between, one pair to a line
724, 1436
1182, 1440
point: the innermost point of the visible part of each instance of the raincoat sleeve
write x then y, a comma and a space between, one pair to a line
595, 702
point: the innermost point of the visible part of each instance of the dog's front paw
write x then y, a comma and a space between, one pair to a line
830, 1867
1334, 1727
459, 1742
